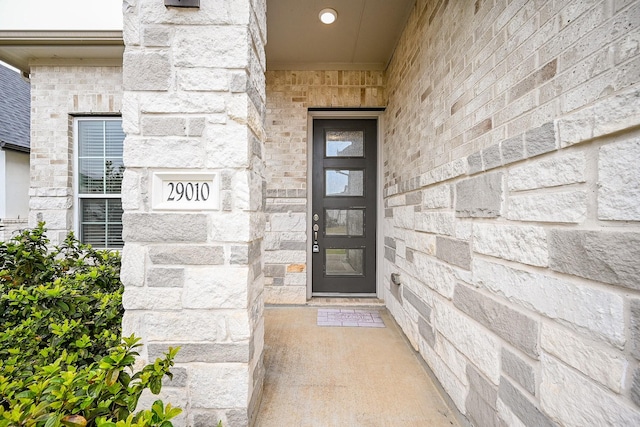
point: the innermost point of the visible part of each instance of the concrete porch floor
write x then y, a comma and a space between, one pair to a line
344, 376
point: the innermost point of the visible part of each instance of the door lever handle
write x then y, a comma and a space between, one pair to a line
315, 236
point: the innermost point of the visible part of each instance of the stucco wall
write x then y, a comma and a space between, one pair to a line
289, 95
58, 92
17, 180
14, 192
512, 182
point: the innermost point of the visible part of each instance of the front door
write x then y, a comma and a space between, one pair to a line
344, 206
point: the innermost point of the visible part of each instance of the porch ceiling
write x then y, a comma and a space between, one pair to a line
363, 37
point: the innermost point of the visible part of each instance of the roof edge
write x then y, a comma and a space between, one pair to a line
14, 147
57, 37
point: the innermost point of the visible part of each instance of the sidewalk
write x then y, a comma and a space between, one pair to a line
344, 375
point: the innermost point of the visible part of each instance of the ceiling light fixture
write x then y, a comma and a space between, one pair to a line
328, 16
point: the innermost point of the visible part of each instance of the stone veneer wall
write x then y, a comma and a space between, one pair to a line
512, 206
57, 92
194, 101
289, 94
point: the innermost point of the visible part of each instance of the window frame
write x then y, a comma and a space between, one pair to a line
77, 196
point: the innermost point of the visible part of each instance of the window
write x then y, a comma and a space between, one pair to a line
99, 170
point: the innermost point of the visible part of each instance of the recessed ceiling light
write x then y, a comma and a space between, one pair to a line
328, 16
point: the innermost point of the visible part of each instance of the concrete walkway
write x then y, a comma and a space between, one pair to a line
344, 376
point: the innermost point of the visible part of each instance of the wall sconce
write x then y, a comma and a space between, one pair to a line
328, 16
182, 3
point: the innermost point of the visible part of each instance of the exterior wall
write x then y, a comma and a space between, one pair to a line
57, 93
194, 101
14, 190
512, 180
17, 184
289, 94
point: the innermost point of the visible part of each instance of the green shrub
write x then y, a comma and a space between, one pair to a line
101, 394
69, 298
62, 360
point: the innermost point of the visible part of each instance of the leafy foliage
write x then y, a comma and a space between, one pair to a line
101, 394
62, 362
69, 299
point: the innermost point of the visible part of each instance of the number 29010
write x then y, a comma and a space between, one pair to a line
189, 191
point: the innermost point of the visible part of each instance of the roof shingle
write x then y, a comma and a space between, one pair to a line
15, 105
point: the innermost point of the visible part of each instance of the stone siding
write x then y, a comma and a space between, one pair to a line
512, 153
194, 101
57, 93
289, 95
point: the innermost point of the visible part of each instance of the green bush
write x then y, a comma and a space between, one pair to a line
62, 360
69, 298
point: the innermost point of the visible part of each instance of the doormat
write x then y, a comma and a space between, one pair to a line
349, 317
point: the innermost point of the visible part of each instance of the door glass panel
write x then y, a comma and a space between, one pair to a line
344, 262
344, 222
344, 182
344, 143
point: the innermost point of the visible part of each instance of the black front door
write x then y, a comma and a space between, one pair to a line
344, 206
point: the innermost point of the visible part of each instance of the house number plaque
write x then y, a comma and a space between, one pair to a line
185, 191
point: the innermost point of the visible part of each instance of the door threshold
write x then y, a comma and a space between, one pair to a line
345, 301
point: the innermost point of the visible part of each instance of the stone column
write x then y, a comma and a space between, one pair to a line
193, 111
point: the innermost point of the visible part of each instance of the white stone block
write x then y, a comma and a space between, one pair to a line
211, 46
604, 365
403, 217
285, 257
215, 287
597, 311
43, 203
525, 244
163, 152
130, 114
227, 145
295, 279
203, 79
218, 385
435, 222
437, 197
568, 206
619, 181
456, 390
396, 201
417, 241
454, 360
463, 230
237, 326
241, 191
587, 404
131, 190
474, 341
230, 226
239, 110
611, 114
564, 169
181, 102
437, 276
288, 222
182, 326
285, 294
55, 219
144, 298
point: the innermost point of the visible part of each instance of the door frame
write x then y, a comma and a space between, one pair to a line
341, 113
